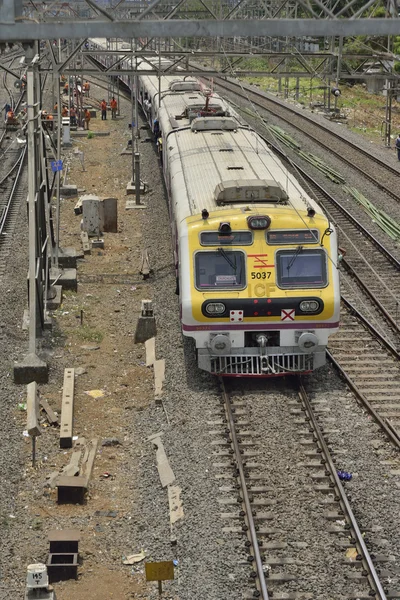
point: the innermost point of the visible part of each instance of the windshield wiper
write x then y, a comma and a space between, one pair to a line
228, 260
295, 255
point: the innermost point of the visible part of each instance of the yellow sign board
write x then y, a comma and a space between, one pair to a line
159, 571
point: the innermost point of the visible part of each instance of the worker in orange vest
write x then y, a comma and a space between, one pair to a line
86, 88
10, 115
114, 105
103, 106
64, 111
88, 116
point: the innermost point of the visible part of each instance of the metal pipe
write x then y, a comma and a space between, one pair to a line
137, 178
31, 207
56, 253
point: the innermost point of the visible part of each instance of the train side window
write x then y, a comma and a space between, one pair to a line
301, 268
221, 269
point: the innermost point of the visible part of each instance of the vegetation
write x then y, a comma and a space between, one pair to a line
89, 334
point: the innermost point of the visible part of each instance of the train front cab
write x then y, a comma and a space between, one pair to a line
259, 302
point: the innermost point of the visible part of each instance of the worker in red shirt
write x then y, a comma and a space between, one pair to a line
103, 110
114, 105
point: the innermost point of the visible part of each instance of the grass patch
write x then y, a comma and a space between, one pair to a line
89, 334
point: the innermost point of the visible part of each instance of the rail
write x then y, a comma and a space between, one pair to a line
249, 516
373, 577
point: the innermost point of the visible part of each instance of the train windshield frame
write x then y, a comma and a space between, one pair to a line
301, 268
221, 269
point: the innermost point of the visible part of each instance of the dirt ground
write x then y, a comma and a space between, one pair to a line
94, 330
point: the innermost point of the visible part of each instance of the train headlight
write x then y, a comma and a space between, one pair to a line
259, 222
309, 306
215, 308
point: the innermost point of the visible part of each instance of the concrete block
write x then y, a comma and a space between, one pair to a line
167, 476
131, 204
83, 133
67, 258
54, 297
145, 329
150, 346
159, 376
67, 409
131, 188
66, 278
87, 248
146, 325
32, 410
43, 594
69, 191
64, 540
175, 504
71, 490
92, 210
32, 368
62, 566
110, 215
78, 207
47, 321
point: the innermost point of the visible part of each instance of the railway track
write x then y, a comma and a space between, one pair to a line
372, 168
373, 272
365, 348
371, 368
302, 536
9, 211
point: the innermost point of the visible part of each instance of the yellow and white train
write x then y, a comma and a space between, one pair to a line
256, 257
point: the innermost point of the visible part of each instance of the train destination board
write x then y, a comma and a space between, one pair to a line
296, 236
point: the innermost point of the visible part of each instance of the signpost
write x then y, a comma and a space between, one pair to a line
160, 571
56, 165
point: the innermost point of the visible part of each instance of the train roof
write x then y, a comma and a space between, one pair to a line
224, 168
179, 110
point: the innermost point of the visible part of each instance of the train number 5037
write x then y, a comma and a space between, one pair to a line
263, 275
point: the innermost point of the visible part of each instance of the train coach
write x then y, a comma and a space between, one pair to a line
256, 257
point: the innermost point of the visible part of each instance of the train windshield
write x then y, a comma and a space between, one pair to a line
222, 269
300, 268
